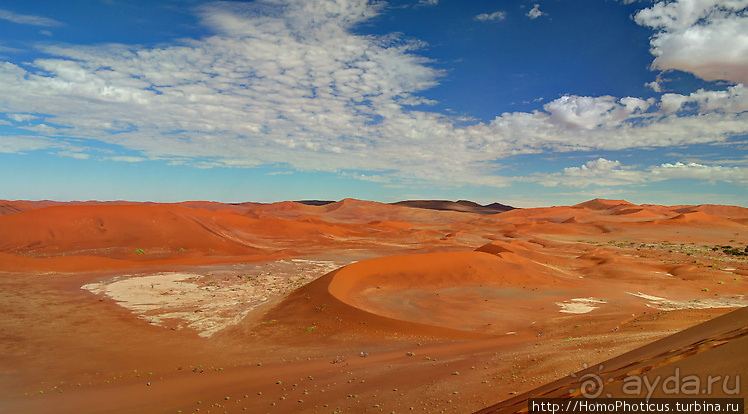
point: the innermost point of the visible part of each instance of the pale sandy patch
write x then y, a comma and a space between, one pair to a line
209, 302
736, 301
579, 305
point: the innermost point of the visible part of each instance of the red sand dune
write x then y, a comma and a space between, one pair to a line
10, 207
646, 213
122, 229
701, 217
441, 310
712, 349
717, 210
601, 204
469, 291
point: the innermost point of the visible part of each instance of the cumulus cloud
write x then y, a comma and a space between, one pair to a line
491, 17
28, 19
732, 100
672, 102
587, 112
601, 172
288, 82
708, 38
607, 173
654, 85
535, 12
694, 171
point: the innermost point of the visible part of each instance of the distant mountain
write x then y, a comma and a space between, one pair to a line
315, 202
499, 206
461, 205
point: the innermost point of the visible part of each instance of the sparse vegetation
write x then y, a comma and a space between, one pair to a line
734, 251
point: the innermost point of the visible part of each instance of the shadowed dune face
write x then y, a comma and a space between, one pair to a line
605, 205
307, 306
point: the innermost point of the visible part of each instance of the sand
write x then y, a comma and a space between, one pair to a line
212, 301
580, 305
356, 306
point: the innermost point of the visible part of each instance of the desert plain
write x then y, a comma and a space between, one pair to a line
363, 307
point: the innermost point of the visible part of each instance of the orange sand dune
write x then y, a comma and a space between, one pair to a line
601, 204
700, 217
116, 231
351, 306
717, 210
10, 207
186, 231
544, 212
459, 290
645, 212
712, 349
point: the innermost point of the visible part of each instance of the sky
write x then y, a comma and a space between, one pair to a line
526, 103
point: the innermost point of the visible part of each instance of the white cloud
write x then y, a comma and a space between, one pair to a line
491, 17
376, 178
9, 49
607, 173
732, 100
126, 158
41, 129
22, 117
72, 154
587, 112
694, 171
428, 2
287, 82
13, 144
28, 19
672, 102
600, 172
654, 85
535, 12
708, 38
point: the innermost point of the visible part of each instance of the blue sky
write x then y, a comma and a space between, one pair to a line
529, 103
